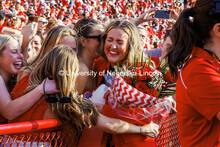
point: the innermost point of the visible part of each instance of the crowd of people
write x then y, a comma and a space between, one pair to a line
43, 44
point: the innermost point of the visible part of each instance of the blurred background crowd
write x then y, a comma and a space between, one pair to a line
15, 14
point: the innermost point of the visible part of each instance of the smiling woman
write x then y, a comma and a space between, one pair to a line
120, 44
10, 63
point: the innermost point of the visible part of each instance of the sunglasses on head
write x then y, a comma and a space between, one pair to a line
55, 98
98, 37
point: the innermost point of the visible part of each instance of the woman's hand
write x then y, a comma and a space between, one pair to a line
171, 103
99, 95
28, 32
151, 130
146, 16
49, 87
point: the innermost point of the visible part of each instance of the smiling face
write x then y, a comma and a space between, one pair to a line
116, 46
11, 58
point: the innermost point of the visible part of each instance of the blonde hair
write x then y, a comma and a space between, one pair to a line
4, 39
52, 39
134, 48
81, 111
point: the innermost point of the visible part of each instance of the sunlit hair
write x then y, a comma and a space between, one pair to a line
4, 39
52, 39
50, 25
134, 48
81, 111
84, 27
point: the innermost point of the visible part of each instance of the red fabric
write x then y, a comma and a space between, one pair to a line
121, 140
92, 137
198, 104
36, 112
101, 66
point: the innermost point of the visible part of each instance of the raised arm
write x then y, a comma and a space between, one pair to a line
11, 109
146, 16
28, 32
10, 31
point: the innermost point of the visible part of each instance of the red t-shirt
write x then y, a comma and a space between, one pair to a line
198, 100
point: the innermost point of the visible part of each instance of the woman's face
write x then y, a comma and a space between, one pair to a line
116, 46
92, 41
36, 43
69, 41
11, 58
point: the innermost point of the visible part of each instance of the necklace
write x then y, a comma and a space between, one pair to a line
216, 58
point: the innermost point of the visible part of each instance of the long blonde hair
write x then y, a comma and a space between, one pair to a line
134, 48
52, 39
61, 64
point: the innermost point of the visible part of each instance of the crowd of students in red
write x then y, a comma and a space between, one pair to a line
15, 14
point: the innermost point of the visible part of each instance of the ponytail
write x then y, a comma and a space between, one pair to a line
183, 38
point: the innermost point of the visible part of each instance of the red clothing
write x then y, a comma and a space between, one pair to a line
198, 100
121, 140
36, 112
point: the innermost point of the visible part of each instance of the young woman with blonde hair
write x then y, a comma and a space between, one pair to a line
60, 64
120, 43
57, 35
67, 106
10, 63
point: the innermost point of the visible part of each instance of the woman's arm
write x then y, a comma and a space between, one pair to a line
28, 32
146, 16
11, 109
10, 31
116, 126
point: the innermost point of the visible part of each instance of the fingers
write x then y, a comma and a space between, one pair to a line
151, 10
50, 86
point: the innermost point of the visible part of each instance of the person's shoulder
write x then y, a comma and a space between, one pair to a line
201, 64
200, 70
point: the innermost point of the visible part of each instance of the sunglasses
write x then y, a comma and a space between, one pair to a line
55, 98
98, 37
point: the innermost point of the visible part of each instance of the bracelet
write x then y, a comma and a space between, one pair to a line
140, 129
